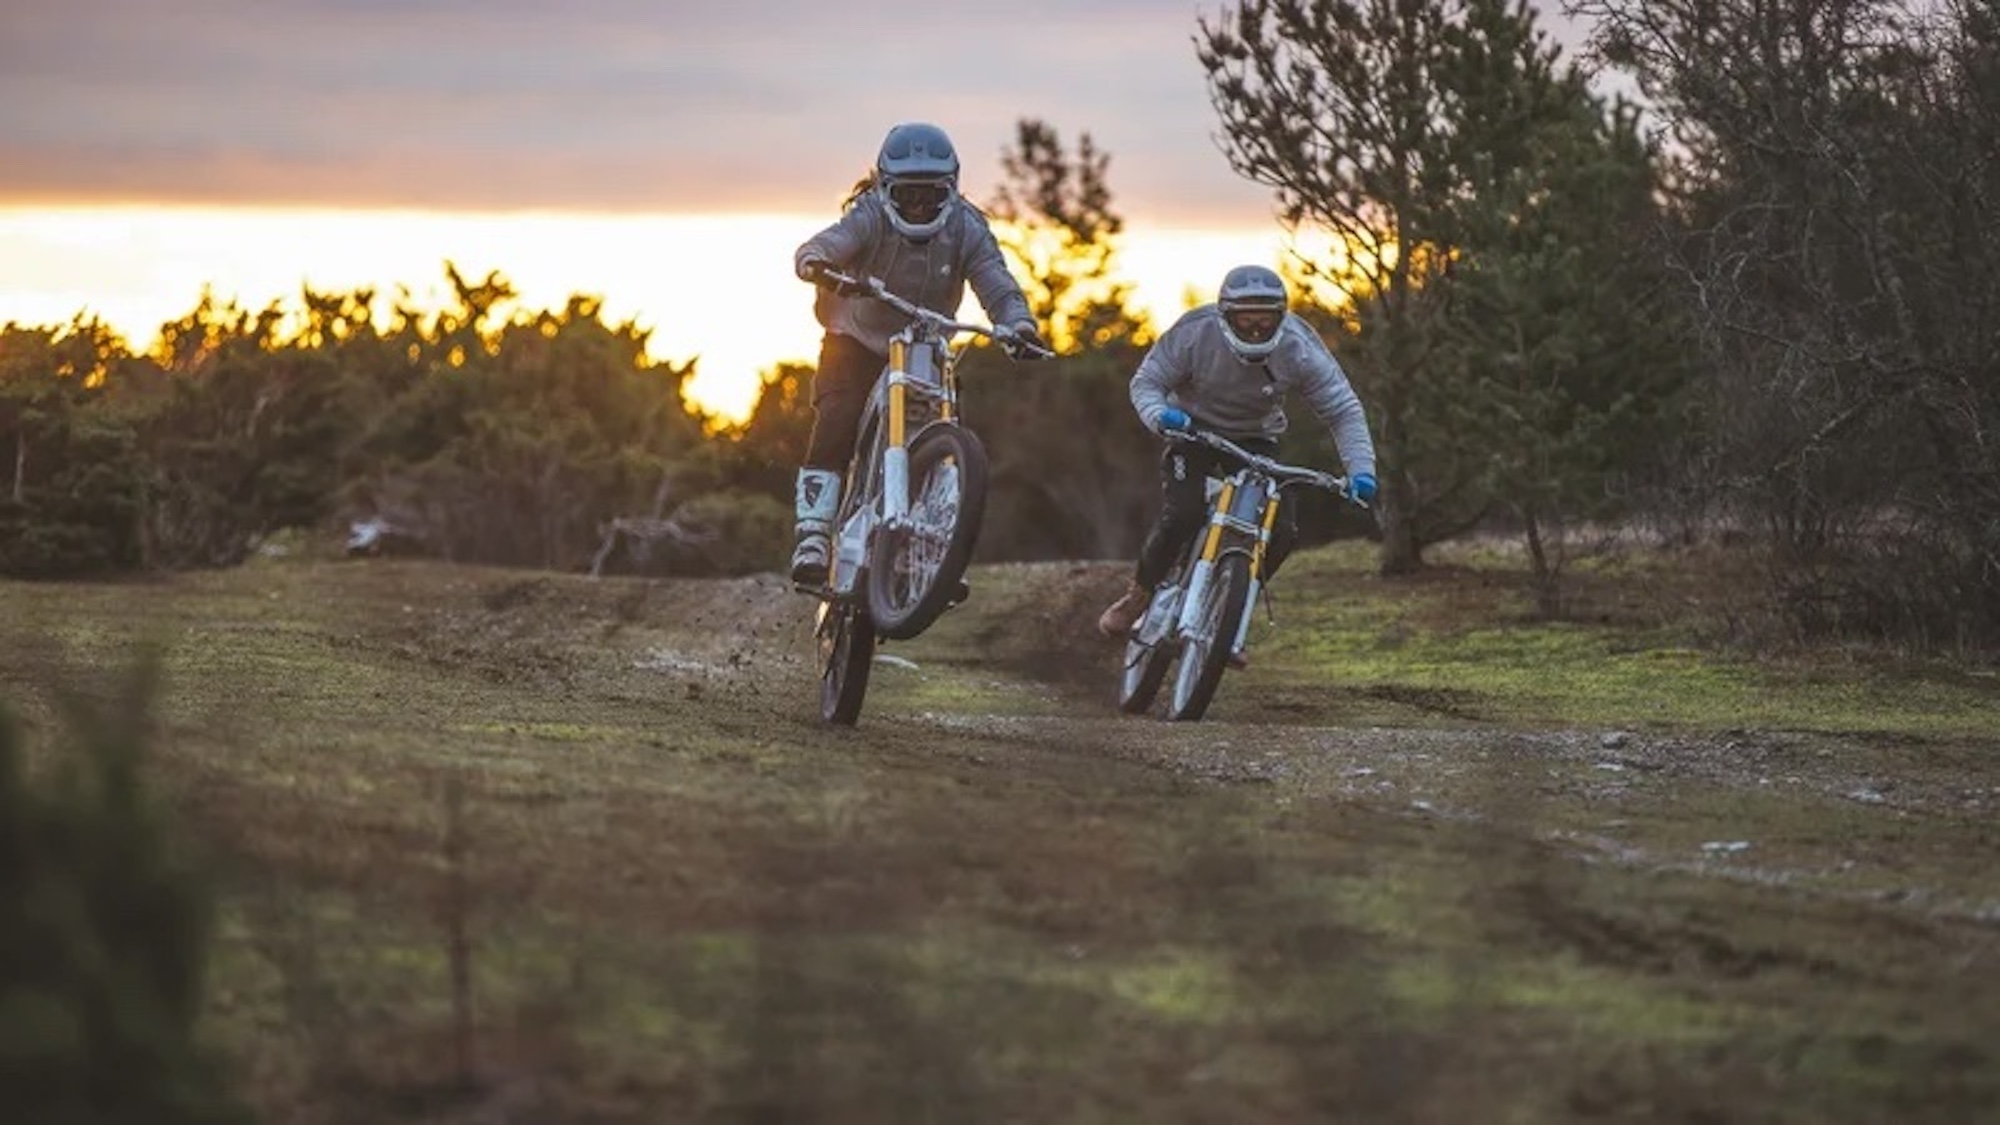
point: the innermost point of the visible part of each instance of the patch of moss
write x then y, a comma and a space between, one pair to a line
1382, 636
1184, 986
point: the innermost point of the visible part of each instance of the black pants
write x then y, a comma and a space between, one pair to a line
1184, 469
847, 373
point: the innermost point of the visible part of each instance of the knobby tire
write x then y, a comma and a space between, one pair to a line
1145, 670
846, 654
900, 607
1205, 653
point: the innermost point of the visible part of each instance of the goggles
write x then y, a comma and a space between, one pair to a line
919, 200
1254, 324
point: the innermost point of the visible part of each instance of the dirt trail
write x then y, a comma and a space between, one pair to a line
997, 895
1593, 791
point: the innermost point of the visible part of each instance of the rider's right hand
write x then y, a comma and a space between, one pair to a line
819, 271
1174, 420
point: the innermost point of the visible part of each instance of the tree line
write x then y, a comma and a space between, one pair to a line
1751, 301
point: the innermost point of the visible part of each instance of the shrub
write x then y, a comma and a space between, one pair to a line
104, 934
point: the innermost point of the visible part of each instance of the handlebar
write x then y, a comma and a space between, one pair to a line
1284, 474
937, 321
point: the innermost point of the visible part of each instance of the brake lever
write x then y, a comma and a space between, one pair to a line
1018, 349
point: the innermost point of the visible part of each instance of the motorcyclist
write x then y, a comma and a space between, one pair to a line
907, 225
1226, 368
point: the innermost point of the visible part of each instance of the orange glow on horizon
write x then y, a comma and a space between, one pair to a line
716, 289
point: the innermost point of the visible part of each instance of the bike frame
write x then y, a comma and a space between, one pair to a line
1200, 621
1242, 511
922, 363
895, 569
1241, 515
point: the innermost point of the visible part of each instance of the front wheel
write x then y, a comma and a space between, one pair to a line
846, 654
1205, 648
914, 570
1145, 670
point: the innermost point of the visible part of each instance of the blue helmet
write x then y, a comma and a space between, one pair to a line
1252, 302
916, 174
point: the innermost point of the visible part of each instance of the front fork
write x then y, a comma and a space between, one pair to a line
1257, 555
1211, 550
891, 509
896, 454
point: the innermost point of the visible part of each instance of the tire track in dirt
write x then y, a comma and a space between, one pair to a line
746, 644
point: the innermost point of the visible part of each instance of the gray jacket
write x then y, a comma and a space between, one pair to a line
932, 274
1192, 367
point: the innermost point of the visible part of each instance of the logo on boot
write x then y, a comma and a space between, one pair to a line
813, 487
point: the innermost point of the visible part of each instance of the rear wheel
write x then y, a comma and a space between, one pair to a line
1205, 648
914, 570
846, 654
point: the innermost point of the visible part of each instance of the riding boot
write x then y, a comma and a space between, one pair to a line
816, 500
1124, 613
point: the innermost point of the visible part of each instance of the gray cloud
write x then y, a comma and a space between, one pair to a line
591, 104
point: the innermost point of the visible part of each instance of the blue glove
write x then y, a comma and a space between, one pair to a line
1362, 487
1173, 419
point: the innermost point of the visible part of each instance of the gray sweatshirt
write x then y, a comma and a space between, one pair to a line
1192, 367
932, 274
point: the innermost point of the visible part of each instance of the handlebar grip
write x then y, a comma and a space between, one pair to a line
1018, 349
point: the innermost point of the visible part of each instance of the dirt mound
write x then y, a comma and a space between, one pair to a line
1039, 621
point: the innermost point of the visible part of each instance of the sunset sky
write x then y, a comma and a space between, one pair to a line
667, 155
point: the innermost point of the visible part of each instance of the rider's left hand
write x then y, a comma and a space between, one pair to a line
1027, 342
1362, 487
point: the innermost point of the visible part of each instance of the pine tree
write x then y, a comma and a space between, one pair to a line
1058, 227
1419, 136
1058, 491
104, 932
1560, 320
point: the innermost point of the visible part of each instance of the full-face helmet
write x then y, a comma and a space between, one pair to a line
1252, 302
917, 175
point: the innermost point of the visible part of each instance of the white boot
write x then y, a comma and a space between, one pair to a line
816, 500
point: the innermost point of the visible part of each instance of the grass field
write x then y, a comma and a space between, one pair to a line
503, 846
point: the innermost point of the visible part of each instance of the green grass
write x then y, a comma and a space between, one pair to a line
995, 899
1470, 646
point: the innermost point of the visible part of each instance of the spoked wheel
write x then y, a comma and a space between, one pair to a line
1205, 648
914, 570
846, 653
1145, 670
